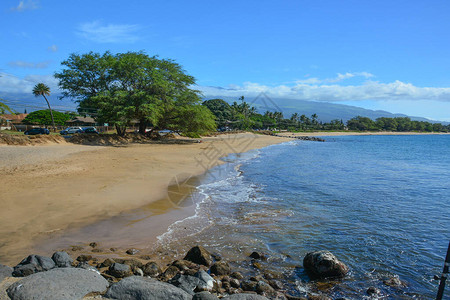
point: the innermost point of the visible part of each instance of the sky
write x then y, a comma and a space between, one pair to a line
389, 55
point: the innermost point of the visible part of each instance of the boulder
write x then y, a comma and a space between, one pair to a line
151, 269
199, 255
204, 296
33, 264
5, 271
394, 282
170, 272
185, 282
62, 259
245, 297
84, 257
220, 268
323, 264
136, 288
120, 270
206, 281
264, 288
106, 263
56, 284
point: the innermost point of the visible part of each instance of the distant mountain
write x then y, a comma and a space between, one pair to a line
324, 110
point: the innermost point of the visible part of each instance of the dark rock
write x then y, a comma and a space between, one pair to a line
394, 282
220, 268
77, 248
183, 265
249, 285
62, 259
185, 282
170, 272
272, 275
290, 297
245, 297
107, 263
33, 264
256, 265
86, 266
237, 275
132, 251
56, 284
199, 255
120, 270
132, 262
93, 244
137, 288
276, 284
204, 296
113, 249
151, 269
216, 256
323, 264
235, 283
191, 272
263, 288
84, 257
258, 278
206, 281
372, 291
5, 271
318, 297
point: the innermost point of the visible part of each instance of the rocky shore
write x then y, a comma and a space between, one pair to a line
198, 275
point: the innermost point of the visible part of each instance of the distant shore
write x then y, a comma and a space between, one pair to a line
338, 133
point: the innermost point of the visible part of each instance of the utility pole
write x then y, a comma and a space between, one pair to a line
444, 275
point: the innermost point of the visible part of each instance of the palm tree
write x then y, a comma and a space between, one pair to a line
41, 89
4, 108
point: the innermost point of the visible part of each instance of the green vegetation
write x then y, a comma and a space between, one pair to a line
134, 87
43, 90
5, 108
243, 116
43, 117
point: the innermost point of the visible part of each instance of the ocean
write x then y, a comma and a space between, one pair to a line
380, 204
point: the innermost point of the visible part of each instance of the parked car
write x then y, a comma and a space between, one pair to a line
71, 130
89, 130
35, 131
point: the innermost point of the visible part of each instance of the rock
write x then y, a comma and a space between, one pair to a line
132, 262
113, 249
237, 275
120, 270
323, 264
5, 271
394, 282
93, 244
249, 285
77, 248
33, 264
199, 255
276, 284
235, 283
86, 266
204, 296
84, 257
272, 275
170, 272
62, 259
132, 251
136, 288
185, 282
107, 263
245, 297
318, 297
220, 268
185, 265
206, 281
151, 269
56, 284
138, 272
372, 291
263, 288
96, 250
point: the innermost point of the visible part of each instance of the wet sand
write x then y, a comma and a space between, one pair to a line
66, 196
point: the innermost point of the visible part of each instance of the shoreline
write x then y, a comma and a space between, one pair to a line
79, 189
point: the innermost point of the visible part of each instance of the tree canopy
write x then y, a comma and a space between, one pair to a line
43, 117
133, 86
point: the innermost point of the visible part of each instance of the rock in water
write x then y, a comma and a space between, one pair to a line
33, 264
5, 271
199, 255
135, 287
56, 284
245, 297
220, 268
62, 259
323, 264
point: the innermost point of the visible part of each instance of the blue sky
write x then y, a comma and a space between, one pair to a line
391, 55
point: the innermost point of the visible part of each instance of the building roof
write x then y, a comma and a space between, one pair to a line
14, 118
82, 120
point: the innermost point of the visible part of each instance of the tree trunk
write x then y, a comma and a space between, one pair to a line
51, 113
142, 126
121, 130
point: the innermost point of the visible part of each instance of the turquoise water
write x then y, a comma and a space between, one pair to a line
381, 204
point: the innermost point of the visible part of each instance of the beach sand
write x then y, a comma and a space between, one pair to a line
59, 195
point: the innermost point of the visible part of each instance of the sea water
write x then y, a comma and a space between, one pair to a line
380, 204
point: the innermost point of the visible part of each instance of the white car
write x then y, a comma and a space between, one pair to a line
71, 130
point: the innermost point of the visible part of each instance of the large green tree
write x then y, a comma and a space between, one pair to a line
43, 90
44, 117
133, 86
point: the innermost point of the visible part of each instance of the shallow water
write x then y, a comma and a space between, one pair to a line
381, 204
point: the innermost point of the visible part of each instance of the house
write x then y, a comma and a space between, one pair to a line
81, 121
14, 119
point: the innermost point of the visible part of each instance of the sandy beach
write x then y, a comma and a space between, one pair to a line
49, 190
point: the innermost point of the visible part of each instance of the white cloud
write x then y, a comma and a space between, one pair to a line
29, 65
53, 48
26, 5
110, 33
314, 89
339, 77
16, 85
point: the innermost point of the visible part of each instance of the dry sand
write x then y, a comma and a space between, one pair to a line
47, 190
